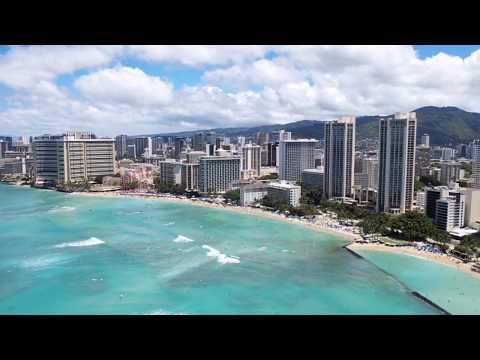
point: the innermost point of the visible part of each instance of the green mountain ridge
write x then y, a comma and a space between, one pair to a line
445, 125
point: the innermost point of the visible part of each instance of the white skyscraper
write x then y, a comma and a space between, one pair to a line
241, 141
426, 140
284, 135
339, 157
251, 160
397, 163
294, 157
476, 164
149, 148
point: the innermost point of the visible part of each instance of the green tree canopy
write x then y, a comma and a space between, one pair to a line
232, 195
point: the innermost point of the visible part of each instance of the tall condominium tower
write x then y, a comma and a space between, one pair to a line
142, 144
72, 157
397, 163
294, 157
269, 154
251, 158
339, 158
475, 146
218, 173
198, 141
180, 145
262, 138
121, 146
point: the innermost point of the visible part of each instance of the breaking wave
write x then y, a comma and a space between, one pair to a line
182, 239
221, 258
90, 242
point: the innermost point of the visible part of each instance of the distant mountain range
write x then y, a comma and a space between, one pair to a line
445, 125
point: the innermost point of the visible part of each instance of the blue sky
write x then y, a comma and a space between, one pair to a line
457, 50
164, 88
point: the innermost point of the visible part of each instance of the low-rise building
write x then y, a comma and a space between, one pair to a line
285, 192
249, 193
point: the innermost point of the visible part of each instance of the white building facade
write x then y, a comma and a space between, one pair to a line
397, 163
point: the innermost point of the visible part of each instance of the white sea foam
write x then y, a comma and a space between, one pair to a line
43, 261
90, 242
163, 312
284, 250
168, 224
61, 209
182, 239
221, 258
263, 248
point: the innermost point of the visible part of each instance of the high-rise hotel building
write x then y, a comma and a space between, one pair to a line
217, 174
339, 158
397, 163
72, 157
475, 146
294, 157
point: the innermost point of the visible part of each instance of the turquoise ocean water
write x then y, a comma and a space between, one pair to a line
67, 254
455, 291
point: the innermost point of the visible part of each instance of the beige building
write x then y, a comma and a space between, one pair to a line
472, 208
73, 157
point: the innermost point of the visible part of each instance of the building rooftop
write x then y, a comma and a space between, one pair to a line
300, 140
461, 232
258, 185
283, 185
313, 171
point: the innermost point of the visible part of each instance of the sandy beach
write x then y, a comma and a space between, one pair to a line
411, 251
244, 210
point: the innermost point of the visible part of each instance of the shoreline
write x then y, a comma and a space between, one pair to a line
411, 251
244, 210
351, 238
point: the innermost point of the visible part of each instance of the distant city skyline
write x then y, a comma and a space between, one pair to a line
111, 90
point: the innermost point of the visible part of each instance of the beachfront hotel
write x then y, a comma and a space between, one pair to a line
72, 157
339, 158
294, 157
285, 192
397, 163
249, 193
218, 173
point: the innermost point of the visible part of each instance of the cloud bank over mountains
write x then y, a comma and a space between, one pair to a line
112, 89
